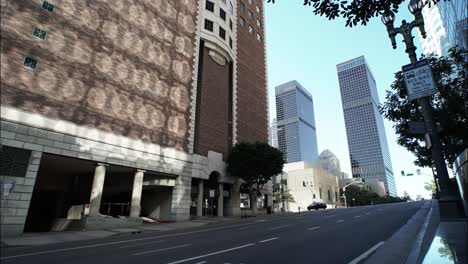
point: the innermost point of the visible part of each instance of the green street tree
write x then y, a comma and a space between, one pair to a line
287, 197
354, 11
450, 108
255, 163
430, 186
363, 196
406, 195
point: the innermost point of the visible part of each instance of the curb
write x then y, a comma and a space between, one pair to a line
425, 236
401, 246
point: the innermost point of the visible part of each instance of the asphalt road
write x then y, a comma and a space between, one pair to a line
325, 236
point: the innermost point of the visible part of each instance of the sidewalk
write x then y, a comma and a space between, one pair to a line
35, 239
425, 239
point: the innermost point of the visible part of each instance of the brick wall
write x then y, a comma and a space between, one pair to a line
212, 127
120, 66
252, 108
15, 204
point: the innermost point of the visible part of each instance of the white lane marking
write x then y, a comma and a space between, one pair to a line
339, 221
162, 249
367, 213
211, 254
357, 216
279, 227
313, 228
140, 239
201, 262
125, 241
270, 239
141, 244
367, 253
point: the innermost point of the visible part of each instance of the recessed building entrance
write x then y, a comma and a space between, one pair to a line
61, 183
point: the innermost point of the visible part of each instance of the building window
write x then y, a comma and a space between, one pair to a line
38, 33
209, 6
48, 6
320, 193
250, 15
222, 14
14, 161
222, 33
209, 25
257, 8
259, 23
230, 42
231, 8
329, 196
259, 38
30, 63
230, 24
242, 6
251, 30
242, 21
250, 1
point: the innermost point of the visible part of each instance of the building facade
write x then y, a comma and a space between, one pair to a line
309, 183
446, 26
297, 136
367, 141
330, 163
127, 108
274, 133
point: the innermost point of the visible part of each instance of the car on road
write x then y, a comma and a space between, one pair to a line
317, 206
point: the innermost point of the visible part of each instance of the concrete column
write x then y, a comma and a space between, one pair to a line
220, 199
135, 206
200, 198
96, 190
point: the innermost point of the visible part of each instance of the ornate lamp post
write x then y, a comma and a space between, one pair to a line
415, 7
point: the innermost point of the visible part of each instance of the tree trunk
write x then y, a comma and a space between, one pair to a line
253, 198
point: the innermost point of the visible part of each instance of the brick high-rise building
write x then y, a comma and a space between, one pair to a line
129, 107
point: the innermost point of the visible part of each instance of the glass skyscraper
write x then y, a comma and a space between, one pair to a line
297, 136
274, 134
367, 142
446, 26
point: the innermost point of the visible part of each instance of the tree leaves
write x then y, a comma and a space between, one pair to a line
355, 11
255, 163
450, 108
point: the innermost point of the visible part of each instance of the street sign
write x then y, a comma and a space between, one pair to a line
86, 209
416, 128
419, 80
212, 193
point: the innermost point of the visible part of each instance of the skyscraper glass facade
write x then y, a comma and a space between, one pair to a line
297, 136
446, 26
367, 142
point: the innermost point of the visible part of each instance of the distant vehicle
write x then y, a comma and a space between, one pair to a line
317, 206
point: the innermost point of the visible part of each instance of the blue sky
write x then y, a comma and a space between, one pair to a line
304, 47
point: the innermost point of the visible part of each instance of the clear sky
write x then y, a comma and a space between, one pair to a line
304, 47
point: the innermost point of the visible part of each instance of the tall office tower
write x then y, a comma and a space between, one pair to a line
274, 133
367, 142
297, 136
446, 26
129, 107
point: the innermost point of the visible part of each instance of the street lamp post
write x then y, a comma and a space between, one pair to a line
415, 7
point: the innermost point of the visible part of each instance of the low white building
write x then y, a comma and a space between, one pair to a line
308, 183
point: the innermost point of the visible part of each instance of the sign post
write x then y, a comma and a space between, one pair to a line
419, 80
